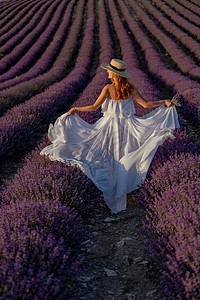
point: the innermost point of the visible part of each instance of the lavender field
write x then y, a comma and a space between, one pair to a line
50, 56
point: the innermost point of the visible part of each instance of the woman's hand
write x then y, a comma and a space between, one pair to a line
168, 103
72, 111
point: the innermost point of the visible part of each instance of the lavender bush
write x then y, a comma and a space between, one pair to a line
38, 257
171, 198
42, 226
183, 143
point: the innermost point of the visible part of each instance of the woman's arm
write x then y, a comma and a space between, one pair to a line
102, 97
146, 104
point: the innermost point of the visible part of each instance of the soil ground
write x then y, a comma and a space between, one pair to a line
115, 257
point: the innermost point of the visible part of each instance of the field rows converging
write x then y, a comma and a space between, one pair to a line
177, 19
181, 37
17, 23
28, 59
50, 56
11, 39
163, 69
26, 89
195, 2
35, 62
10, 19
182, 10
190, 6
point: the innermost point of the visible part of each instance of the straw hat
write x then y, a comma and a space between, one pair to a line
117, 66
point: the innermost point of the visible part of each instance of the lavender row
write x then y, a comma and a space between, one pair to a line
15, 35
10, 8
195, 2
38, 48
147, 88
24, 123
172, 79
67, 195
11, 20
172, 224
176, 54
10, 5
5, 5
42, 225
45, 61
23, 91
184, 12
9, 60
193, 29
190, 6
94, 88
184, 62
106, 43
170, 27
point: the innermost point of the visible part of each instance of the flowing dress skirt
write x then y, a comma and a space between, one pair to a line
116, 151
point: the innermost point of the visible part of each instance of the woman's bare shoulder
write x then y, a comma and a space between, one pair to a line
111, 91
106, 90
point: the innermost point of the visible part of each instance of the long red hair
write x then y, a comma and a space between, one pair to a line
124, 88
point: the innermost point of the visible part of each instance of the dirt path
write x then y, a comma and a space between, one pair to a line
118, 267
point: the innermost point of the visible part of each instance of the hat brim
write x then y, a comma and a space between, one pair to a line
125, 73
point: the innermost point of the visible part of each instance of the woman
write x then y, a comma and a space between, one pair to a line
116, 151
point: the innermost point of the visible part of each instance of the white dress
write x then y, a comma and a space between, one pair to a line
116, 151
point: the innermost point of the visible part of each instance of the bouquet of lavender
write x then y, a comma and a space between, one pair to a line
177, 99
